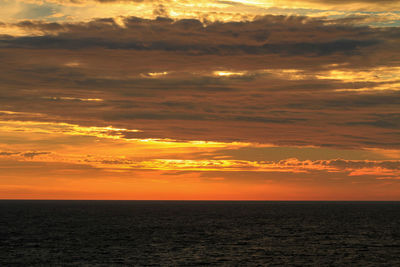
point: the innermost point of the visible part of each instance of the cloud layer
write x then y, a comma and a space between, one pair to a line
299, 97
281, 80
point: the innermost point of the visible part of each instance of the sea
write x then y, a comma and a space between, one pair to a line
199, 233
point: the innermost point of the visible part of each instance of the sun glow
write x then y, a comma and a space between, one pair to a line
229, 73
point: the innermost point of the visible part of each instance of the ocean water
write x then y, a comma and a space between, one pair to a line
174, 233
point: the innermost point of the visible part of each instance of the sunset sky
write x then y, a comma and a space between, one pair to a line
194, 100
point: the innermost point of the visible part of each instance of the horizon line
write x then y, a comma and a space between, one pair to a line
194, 200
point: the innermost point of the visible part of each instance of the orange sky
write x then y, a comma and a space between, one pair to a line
239, 100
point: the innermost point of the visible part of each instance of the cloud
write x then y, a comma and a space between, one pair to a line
4, 153
348, 168
286, 80
30, 154
34, 154
191, 36
306, 4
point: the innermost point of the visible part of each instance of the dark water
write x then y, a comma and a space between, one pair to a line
140, 233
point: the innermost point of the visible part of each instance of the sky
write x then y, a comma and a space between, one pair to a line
200, 100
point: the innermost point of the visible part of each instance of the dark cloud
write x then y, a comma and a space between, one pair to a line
351, 164
300, 153
24, 154
34, 154
3, 153
267, 35
323, 48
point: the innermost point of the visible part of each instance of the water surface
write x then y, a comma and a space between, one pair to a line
178, 233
